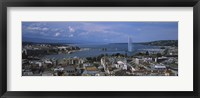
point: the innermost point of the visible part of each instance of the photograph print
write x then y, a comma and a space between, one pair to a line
101, 48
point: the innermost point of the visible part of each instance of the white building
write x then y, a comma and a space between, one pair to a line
122, 65
159, 67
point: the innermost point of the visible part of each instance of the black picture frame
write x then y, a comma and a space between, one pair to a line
98, 3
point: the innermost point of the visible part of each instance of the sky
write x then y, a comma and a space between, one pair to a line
98, 32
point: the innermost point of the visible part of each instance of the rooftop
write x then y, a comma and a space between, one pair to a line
90, 68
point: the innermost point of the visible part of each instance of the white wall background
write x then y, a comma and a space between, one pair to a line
183, 82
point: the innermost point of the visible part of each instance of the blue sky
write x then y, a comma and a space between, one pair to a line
98, 32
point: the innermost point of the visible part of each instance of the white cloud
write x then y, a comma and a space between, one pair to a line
57, 34
45, 29
38, 24
71, 29
33, 28
71, 35
37, 28
54, 30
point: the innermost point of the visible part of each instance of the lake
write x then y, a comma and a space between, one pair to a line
92, 50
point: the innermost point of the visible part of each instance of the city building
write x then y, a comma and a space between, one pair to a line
90, 71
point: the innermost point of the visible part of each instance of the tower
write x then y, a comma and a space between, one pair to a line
129, 44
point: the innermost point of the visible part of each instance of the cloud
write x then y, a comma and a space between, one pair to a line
101, 31
38, 24
71, 35
71, 29
57, 34
45, 29
33, 28
37, 28
54, 29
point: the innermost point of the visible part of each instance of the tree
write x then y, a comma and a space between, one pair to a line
166, 51
117, 54
159, 54
147, 52
126, 55
106, 54
162, 47
96, 65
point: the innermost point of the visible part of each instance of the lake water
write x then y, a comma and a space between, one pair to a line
92, 50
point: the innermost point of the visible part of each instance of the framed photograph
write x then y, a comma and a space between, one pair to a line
88, 48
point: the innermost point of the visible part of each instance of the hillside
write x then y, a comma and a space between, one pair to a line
162, 43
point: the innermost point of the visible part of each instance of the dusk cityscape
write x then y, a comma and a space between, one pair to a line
99, 48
